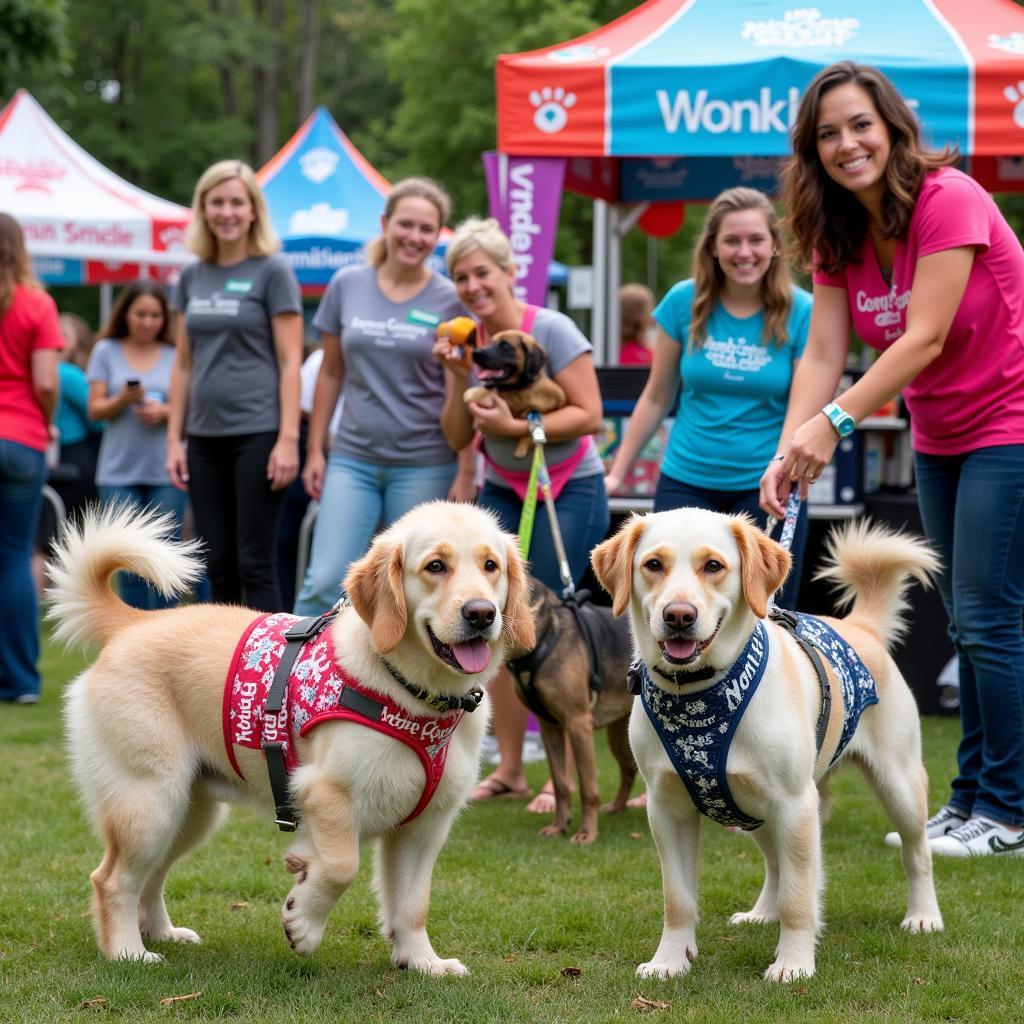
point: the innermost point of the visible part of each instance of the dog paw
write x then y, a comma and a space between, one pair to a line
753, 917
172, 934
303, 929
143, 957
615, 807
552, 831
667, 968
434, 966
787, 972
584, 836
922, 923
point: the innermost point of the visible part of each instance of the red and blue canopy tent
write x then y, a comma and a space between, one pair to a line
678, 99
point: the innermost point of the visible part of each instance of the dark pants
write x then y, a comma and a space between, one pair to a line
672, 493
236, 516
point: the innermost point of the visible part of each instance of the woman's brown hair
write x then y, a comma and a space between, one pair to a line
117, 323
827, 221
15, 262
709, 279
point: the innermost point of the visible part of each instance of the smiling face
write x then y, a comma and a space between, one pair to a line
443, 591
485, 289
693, 582
228, 211
411, 232
145, 318
853, 141
743, 247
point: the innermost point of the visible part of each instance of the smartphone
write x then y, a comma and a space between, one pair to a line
132, 382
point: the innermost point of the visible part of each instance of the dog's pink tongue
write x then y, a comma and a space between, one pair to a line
680, 648
473, 656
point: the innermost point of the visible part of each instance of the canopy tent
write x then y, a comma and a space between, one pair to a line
83, 224
678, 99
326, 201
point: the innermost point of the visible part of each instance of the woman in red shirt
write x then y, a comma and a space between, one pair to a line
30, 339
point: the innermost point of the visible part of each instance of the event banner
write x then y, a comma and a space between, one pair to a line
525, 195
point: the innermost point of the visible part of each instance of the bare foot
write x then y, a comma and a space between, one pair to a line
544, 801
493, 788
637, 801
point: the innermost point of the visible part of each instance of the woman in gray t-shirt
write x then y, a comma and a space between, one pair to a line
480, 262
236, 372
389, 453
129, 377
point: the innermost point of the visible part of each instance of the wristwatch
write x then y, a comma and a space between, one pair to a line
842, 422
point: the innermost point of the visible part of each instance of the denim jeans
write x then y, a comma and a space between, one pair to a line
357, 498
135, 591
22, 473
671, 493
972, 507
582, 510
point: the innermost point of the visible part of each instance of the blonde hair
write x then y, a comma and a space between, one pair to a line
409, 188
636, 303
486, 235
15, 262
199, 239
709, 279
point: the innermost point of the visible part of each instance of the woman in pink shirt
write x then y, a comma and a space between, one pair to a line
30, 339
917, 258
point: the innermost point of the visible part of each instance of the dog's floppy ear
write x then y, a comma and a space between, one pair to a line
536, 358
517, 617
765, 564
375, 587
613, 562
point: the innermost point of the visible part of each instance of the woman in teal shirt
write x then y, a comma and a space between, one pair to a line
731, 336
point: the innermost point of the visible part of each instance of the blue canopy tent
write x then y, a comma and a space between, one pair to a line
326, 200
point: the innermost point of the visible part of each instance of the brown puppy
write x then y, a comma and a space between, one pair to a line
513, 365
153, 732
555, 685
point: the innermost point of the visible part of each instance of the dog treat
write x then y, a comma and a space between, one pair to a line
461, 331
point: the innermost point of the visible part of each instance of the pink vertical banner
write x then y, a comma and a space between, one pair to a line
525, 195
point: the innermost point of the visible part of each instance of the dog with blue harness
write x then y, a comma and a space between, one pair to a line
743, 713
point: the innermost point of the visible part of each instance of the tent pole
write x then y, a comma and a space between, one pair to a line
598, 319
616, 229
106, 301
652, 263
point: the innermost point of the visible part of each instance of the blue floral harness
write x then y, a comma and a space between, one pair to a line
697, 729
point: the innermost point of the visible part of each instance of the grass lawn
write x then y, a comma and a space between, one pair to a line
515, 908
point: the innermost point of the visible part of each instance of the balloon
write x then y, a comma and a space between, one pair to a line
660, 220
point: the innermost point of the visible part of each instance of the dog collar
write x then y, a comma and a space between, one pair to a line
442, 705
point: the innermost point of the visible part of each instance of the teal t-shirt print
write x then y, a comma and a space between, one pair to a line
235, 285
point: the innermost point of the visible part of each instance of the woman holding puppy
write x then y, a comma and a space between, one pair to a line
916, 257
732, 335
480, 261
389, 454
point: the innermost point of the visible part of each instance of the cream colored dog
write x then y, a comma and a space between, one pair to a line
442, 586
695, 584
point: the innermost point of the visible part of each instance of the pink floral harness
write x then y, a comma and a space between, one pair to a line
318, 690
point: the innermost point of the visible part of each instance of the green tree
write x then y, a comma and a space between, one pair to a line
33, 40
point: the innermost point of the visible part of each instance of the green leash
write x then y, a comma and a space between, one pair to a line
530, 501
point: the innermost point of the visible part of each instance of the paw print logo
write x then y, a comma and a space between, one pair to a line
553, 106
1015, 94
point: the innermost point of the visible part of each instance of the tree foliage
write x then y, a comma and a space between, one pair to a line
33, 40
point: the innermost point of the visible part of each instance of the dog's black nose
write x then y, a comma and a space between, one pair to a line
679, 615
479, 614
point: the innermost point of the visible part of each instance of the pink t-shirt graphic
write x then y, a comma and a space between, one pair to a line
972, 395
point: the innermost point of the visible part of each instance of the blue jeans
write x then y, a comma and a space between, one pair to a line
135, 591
22, 473
972, 508
671, 493
357, 497
582, 510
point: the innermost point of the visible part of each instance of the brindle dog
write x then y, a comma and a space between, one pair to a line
559, 690
513, 365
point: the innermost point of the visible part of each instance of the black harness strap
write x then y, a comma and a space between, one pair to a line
579, 604
285, 816
787, 621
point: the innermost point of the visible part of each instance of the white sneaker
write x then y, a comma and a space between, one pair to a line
944, 820
979, 837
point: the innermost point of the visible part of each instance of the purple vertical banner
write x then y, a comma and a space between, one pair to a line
525, 195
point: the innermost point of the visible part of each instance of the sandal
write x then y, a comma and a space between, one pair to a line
494, 789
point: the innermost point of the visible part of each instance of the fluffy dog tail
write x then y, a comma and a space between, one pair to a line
871, 567
82, 604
